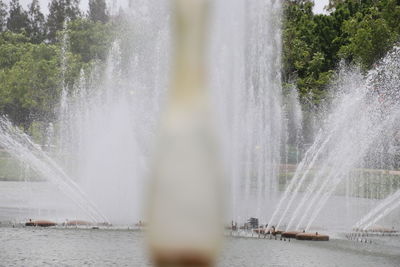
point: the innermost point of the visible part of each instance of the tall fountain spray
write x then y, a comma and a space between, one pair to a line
97, 152
20, 146
384, 81
107, 121
362, 116
245, 70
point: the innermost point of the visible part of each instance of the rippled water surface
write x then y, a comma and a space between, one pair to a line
84, 247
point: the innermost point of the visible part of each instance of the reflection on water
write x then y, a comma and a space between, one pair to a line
77, 247
20, 201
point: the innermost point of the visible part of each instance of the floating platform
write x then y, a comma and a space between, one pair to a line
261, 231
277, 232
290, 234
312, 237
375, 229
269, 232
381, 230
105, 224
41, 223
78, 223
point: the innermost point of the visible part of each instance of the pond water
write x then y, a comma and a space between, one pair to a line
89, 247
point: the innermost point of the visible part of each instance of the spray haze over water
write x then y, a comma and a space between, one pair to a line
109, 119
245, 75
364, 116
99, 148
107, 122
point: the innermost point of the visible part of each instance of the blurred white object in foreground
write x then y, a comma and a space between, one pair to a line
185, 205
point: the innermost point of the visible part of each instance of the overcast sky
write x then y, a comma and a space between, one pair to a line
318, 8
44, 4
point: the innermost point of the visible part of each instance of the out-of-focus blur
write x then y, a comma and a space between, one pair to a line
185, 205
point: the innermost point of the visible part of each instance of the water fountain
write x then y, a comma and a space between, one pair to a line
106, 122
245, 76
106, 125
96, 154
20, 146
364, 115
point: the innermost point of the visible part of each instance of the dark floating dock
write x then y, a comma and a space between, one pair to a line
305, 236
40, 223
290, 234
252, 227
78, 223
312, 237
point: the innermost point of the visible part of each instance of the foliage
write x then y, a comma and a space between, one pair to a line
18, 18
3, 16
308, 40
89, 39
32, 53
36, 23
61, 11
30, 79
98, 11
31, 46
359, 32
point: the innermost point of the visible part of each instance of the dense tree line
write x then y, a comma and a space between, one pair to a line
31, 47
31, 51
355, 31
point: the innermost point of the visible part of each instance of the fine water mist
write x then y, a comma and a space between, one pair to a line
107, 123
245, 70
97, 151
20, 146
363, 116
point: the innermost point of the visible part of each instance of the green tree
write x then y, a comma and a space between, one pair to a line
390, 10
90, 40
18, 18
360, 32
308, 49
59, 12
27, 87
296, 35
30, 81
36, 30
370, 38
3, 16
98, 11
31, 69
333, 4
12, 47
